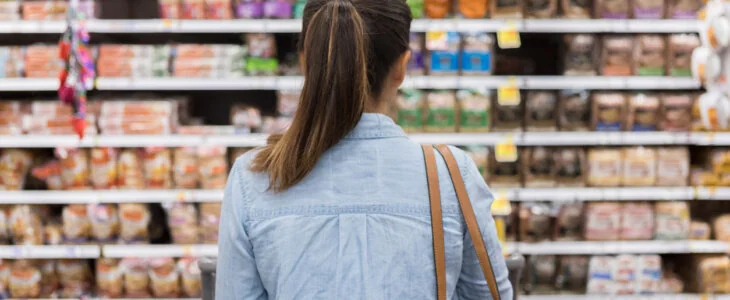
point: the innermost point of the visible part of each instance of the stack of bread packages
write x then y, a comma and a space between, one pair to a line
709, 66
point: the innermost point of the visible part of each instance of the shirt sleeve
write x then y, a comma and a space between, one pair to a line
472, 284
236, 273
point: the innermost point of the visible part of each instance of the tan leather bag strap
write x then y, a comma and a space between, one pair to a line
469, 218
437, 226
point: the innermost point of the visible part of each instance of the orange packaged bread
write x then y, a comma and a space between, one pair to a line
164, 278
473, 9
129, 170
134, 219
104, 168
74, 168
437, 9
137, 108
25, 280
157, 163
213, 167
76, 225
14, 166
109, 278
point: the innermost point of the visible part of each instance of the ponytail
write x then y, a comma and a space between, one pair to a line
336, 87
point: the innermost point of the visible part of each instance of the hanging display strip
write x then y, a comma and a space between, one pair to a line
295, 25
458, 139
418, 82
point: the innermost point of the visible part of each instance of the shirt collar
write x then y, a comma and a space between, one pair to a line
373, 126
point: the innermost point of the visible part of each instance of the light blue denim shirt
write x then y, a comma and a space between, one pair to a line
357, 227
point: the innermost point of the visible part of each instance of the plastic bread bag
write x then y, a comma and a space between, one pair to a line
437, 9
535, 222
672, 220
506, 9
473, 9
576, 9
605, 167
650, 55
247, 117
476, 54
643, 112
164, 278
538, 169
14, 166
721, 224
134, 219
213, 166
182, 219
210, 214
109, 278
25, 280
185, 171
74, 168
609, 111
193, 9
675, 113
25, 225
672, 166
50, 173
417, 63
637, 221
157, 164
218, 9
4, 278
504, 174
603, 221
410, 110
104, 219
613, 9
249, 9
75, 277
170, 9
684, 9
189, 277
639, 166
136, 277
441, 112
541, 111
278, 9
104, 168
287, 104
649, 9
572, 274
699, 230
625, 274
76, 225
129, 170
712, 273
540, 9
569, 222
474, 110
53, 233
617, 55
581, 56
507, 118
574, 110
443, 52
680, 47
49, 277
540, 274
571, 167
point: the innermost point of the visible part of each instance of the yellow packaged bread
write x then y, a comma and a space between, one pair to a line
604, 167
639, 167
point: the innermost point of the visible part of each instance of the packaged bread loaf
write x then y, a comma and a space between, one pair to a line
76, 225
213, 167
540, 274
600, 275
134, 219
417, 61
613, 9
109, 278
477, 53
50, 281
506, 9
603, 221
185, 171
246, 118
680, 47
617, 54
672, 166
210, 214
25, 280
535, 222
410, 110
443, 52
683, 9
672, 220
675, 113
104, 168
576, 9
650, 56
182, 219
721, 227
507, 118
572, 274
474, 110
75, 277
609, 111
574, 110
50, 173
53, 233
699, 230
14, 166
441, 112
541, 111
104, 219
540, 9
639, 166
570, 165
649, 274
569, 222
581, 55
129, 171
164, 278
625, 274
437, 9
25, 225
189, 277
649, 9
670, 283
504, 174
74, 168
538, 167
637, 221
712, 274
157, 164
136, 277
605, 167
473, 9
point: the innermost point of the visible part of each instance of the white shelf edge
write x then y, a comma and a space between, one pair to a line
151, 251
109, 196
418, 25
50, 252
619, 247
628, 297
28, 84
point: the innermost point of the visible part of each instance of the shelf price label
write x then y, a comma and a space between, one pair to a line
506, 150
508, 37
508, 94
187, 251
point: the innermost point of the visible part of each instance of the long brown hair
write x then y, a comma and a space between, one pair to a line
348, 48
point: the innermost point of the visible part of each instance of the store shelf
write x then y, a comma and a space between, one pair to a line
620, 247
601, 194
295, 25
420, 82
28, 84
627, 297
109, 196
148, 251
49, 252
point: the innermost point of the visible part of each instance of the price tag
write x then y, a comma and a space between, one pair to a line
508, 37
187, 251
167, 24
501, 205
506, 150
508, 94
182, 196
